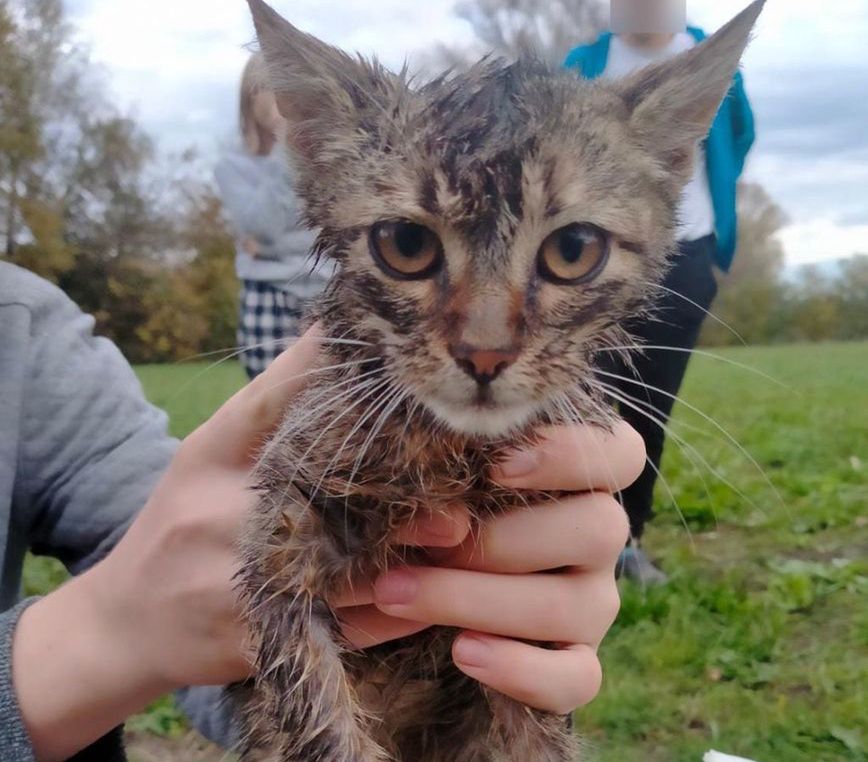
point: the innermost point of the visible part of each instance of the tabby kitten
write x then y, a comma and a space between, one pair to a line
493, 231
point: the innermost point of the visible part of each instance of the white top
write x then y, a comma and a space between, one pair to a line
696, 213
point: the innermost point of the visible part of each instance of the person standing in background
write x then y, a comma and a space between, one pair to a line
645, 32
272, 263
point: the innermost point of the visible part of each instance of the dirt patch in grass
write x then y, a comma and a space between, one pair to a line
191, 747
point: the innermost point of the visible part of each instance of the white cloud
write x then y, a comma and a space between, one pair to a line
822, 239
175, 63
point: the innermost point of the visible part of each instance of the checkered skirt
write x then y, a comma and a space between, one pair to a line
269, 318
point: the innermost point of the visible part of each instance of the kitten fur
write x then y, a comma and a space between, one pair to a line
493, 161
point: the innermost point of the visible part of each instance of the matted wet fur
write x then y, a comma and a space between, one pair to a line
427, 376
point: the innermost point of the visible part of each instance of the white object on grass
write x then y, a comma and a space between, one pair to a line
716, 756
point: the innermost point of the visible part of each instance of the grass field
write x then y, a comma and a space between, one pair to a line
759, 645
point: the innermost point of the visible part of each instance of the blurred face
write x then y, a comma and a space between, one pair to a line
648, 16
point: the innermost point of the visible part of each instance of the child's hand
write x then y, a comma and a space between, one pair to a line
251, 246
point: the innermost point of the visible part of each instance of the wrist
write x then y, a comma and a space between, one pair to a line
76, 675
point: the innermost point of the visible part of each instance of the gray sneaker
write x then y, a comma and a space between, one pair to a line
634, 564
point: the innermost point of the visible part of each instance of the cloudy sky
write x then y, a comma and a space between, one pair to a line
175, 65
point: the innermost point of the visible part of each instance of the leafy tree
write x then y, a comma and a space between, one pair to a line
509, 28
815, 310
20, 126
751, 296
76, 202
853, 290
193, 308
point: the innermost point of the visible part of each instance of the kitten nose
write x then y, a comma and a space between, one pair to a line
482, 365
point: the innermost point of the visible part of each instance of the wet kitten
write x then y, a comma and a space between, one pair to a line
493, 231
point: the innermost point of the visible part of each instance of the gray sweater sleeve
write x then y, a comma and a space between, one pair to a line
14, 743
90, 452
92, 448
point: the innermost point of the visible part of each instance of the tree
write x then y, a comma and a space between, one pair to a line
194, 307
77, 204
751, 296
42, 89
814, 307
853, 290
509, 28
20, 127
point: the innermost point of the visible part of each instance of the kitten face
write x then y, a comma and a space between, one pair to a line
501, 222
495, 229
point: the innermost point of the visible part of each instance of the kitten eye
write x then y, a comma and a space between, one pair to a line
574, 254
406, 250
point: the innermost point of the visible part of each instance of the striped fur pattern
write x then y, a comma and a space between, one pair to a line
493, 161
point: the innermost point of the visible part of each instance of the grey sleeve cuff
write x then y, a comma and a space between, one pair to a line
15, 744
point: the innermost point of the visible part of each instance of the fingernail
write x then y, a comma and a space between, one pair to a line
520, 463
396, 587
471, 651
436, 526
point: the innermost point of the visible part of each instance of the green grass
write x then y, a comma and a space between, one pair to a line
759, 646
190, 392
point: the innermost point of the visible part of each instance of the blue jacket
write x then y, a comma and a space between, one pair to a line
726, 147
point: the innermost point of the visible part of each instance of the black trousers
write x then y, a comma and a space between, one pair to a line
676, 324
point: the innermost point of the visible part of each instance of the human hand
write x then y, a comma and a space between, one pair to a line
160, 611
499, 587
251, 246
178, 559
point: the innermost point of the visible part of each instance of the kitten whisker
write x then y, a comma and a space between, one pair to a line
701, 353
389, 402
383, 384
581, 421
315, 371
715, 318
286, 341
618, 494
640, 407
743, 450
328, 398
395, 400
657, 471
239, 350
326, 471
370, 387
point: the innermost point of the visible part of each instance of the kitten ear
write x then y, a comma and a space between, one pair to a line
319, 88
674, 103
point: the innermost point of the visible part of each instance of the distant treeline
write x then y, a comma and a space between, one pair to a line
760, 305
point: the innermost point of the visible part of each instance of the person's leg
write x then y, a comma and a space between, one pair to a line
677, 324
253, 326
286, 325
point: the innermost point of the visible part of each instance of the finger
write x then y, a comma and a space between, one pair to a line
588, 530
236, 429
444, 528
554, 681
561, 608
577, 458
366, 626
357, 594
